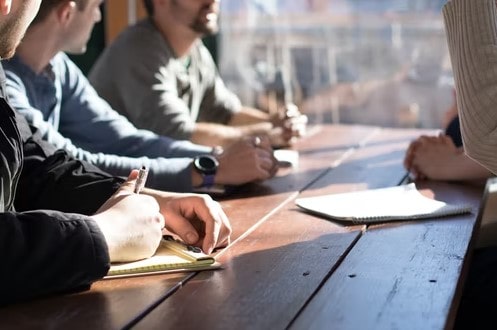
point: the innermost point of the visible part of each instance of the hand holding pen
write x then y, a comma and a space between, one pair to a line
131, 223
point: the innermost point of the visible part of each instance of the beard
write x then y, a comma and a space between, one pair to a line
199, 25
205, 29
12, 32
14, 26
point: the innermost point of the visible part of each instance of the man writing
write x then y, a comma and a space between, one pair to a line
62, 221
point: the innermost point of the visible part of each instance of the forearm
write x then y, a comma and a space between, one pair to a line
221, 135
471, 35
247, 116
465, 168
211, 134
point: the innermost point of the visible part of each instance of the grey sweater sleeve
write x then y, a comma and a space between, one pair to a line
471, 28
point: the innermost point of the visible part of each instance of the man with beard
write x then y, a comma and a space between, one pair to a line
162, 78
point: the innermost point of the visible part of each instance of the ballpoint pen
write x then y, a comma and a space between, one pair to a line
140, 181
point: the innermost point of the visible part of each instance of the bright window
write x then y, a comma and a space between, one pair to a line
380, 62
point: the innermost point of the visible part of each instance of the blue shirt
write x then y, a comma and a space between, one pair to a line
68, 112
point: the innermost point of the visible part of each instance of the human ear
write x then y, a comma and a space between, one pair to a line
66, 10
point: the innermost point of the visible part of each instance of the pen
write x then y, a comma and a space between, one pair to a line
140, 181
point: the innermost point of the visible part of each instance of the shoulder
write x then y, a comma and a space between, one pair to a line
64, 68
18, 75
62, 62
15, 68
140, 37
139, 47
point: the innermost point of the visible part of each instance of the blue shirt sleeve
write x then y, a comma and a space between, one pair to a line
69, 114
83, 111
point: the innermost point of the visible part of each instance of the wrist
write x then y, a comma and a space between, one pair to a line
206, 167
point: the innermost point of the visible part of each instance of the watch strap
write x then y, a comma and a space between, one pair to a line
208, 180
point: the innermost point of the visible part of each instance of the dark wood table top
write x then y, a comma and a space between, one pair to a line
286, 268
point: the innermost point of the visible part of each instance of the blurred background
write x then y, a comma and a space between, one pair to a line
378, 62
381, 62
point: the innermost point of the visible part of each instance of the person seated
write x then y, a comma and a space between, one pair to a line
46, 87
62, 220
160, 76
471, 29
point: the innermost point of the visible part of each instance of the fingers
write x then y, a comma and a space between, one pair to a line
295, 125
200, 221
260, 142
129, 184
161, 221
217, 227
409, 157
267, 164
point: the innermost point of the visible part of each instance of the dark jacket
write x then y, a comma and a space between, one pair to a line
43, 249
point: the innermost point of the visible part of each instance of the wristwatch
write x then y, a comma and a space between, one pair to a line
207, 166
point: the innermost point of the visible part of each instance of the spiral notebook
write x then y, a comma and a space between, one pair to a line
402, 202
171, 256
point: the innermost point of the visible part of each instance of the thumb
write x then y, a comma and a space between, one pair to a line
129, 184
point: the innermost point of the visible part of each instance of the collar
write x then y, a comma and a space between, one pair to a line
3, 82
47, 72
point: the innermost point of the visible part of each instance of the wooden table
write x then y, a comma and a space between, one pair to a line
289, 269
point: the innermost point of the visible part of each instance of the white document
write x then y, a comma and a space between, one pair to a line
402, 202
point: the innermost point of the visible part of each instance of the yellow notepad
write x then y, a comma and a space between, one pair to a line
402, 202
171, 256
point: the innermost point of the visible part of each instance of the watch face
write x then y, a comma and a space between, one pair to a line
206, 164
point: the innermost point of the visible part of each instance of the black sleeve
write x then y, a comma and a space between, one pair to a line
46, 252
42, 250
54, 180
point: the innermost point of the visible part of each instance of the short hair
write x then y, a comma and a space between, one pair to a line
47, 6
149, 7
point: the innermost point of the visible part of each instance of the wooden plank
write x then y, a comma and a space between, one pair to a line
111, 304
268, 278
271, 273
399, 276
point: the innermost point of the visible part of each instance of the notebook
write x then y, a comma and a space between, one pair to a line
171, 256
402, 202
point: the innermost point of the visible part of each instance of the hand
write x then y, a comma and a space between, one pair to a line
195, 218
289, 124
409, 156
432, 157
244, 162
131, 223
